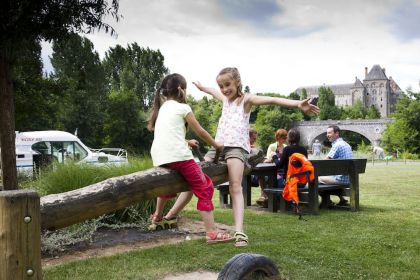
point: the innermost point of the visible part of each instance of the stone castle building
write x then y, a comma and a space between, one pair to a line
376, 89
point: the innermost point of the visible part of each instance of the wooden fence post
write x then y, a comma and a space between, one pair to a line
20, 235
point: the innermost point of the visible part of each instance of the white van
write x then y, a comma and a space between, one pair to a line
39, 148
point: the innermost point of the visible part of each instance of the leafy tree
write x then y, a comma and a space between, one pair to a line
373, 113
326, 103
357, 111
35, 97
82, 102
23, 23
404, 133
138, 69
294, 96
270, 118
207, 112
114, 65
134, 73
125, 124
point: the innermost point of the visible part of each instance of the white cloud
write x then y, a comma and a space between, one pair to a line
298, 43
404, 20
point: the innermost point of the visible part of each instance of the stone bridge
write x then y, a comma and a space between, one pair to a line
371, 129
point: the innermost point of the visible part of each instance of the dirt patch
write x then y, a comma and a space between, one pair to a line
202, 275
107, 242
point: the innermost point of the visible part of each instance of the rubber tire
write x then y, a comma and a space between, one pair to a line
241, 266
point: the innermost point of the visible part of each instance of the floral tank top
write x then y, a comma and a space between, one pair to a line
233, 126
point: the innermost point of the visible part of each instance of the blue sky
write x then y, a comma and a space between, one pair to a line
277, 45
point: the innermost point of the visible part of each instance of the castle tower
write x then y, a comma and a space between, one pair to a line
358, 92
378, 90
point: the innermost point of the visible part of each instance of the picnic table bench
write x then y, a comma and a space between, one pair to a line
308, 194
262, 169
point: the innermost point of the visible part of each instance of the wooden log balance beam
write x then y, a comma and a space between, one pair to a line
64, 209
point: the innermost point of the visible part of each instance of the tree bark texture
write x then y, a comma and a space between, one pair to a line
7, 123
64, 209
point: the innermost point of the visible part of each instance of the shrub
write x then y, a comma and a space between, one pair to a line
407, 155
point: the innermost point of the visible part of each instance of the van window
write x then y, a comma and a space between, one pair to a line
74, 151
61, 151
42, 148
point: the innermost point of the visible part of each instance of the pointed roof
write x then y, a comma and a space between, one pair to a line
358, 84
376, 73
394, 86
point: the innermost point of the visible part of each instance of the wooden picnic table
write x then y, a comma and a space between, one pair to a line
309, 194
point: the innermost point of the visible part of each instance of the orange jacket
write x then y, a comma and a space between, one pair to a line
297, 163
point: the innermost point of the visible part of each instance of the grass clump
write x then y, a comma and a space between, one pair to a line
67, 177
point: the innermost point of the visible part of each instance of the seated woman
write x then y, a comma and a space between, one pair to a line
275, 148
293, 138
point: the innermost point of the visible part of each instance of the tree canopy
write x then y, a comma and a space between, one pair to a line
326, 103
404, 134
23, 23
106, 106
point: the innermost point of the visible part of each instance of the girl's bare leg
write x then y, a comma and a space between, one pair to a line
235, 171
208, 220
160, 205
182, 200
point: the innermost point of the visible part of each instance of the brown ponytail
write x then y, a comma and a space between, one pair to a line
156, 107
172, 86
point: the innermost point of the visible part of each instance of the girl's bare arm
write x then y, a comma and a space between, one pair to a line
212, 91
201, 132
303, 105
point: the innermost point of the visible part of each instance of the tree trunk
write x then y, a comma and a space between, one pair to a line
64, 209
7, 122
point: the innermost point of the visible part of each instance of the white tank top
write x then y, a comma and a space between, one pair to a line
233, 126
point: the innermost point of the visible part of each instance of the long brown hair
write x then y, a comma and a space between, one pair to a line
173, 86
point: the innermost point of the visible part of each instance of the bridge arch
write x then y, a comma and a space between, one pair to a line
372, 129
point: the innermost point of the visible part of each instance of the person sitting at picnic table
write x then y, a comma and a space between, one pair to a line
340, 150
277, 147
274, 148
293, 139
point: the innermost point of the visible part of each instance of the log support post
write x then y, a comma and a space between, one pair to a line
20, 235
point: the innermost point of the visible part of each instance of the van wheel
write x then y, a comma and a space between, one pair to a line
249, 266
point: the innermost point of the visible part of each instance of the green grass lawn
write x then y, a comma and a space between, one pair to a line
381, 241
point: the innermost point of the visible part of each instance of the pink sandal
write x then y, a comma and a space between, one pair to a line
154, 218
214, 237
